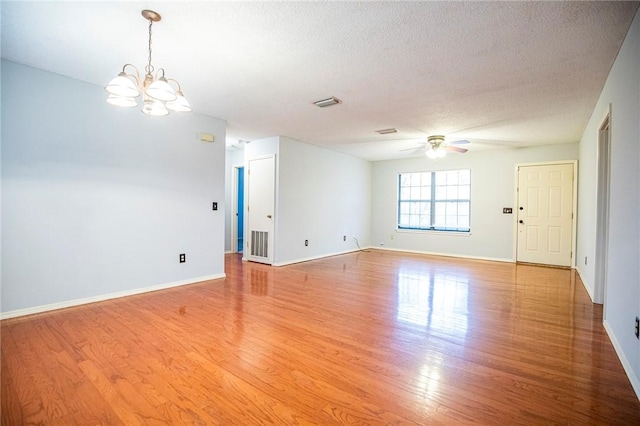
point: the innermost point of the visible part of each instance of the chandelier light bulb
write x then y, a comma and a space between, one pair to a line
121, 101
180, 104
154, 108
161, 90
122, 86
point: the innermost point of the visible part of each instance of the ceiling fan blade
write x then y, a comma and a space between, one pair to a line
460, 142
419, 147
456, 149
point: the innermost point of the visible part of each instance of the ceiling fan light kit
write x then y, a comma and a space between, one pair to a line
158, 95
437, 147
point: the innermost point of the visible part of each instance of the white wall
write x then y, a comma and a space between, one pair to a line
492, 188
321, 196
622, 296
98, 200
324, 196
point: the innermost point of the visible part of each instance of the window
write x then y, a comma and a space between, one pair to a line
438, 201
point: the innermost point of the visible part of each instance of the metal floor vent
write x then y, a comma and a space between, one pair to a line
260, 244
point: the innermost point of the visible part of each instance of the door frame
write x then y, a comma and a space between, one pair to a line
574, 205
246, 254
603, 164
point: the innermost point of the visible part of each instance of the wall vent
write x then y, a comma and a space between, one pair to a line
260, 244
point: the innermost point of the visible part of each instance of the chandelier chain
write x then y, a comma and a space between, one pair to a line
149, 67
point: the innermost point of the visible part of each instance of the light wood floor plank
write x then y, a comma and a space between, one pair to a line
371, 337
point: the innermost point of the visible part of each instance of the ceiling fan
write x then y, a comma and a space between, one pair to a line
437, 147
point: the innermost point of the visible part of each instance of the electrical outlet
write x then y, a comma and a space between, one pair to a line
306, 243
637, 328
344, 238
215, 206
183, 257
585, 260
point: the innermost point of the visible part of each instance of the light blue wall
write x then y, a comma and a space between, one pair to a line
492, 188
622, 295
324, 196
321, 196
98, 200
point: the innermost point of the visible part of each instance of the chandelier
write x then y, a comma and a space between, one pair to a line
158, 96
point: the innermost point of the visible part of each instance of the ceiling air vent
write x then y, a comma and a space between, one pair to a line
327, 102
387, 131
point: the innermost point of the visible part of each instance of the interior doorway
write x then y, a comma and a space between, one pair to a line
602, 211
237, 210
240, 209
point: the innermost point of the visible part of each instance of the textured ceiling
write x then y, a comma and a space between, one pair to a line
496, 73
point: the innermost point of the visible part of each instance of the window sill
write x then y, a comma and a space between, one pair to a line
429, 231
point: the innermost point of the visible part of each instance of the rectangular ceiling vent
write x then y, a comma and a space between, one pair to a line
327, 102
387, 131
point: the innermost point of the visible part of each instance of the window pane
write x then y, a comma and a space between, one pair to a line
463, 222
425, 193
464, 192
452, 192
452, 177
464, 177
425, 221
463, 209
415, 193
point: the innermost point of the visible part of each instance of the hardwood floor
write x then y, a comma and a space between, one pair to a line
365, 338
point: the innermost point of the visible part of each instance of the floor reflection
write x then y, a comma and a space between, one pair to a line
437, 301
428, 380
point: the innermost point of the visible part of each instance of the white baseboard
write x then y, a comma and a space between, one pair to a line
585, 284
100, 298
307, 259
635, 381
492, 259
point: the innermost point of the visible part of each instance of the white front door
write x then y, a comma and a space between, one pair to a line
545, 214
260, 209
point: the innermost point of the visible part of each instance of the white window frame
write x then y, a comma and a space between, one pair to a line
429, 197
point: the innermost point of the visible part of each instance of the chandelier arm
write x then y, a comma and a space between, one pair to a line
135, 76
176, 82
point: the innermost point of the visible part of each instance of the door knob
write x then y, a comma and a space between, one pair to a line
269, 216
521, 208
521, 221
